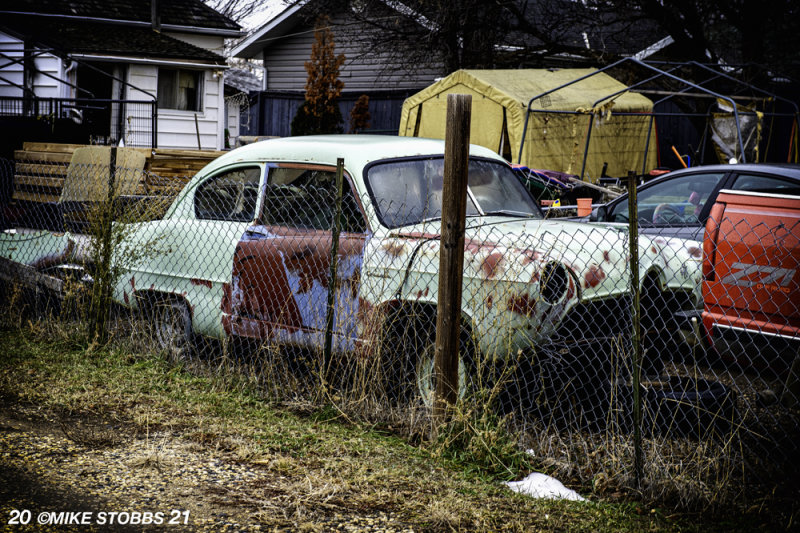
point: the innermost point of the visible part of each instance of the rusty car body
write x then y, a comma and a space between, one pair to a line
244, 251
247, 246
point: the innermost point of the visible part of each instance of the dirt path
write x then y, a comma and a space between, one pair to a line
52, 466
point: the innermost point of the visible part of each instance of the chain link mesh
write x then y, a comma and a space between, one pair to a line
545, 338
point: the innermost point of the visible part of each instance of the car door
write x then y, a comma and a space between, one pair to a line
193, 248
281, 272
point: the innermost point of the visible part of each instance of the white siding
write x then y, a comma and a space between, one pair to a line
178, 129
13, 73
232, 121
144, 77
44, 86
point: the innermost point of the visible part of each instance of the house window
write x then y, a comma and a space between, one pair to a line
179, 89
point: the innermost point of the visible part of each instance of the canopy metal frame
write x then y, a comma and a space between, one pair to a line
669, 72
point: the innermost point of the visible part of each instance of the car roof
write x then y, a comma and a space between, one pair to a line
789, 170
357, 150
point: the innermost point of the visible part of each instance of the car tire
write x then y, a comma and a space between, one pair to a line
659, 328
424, 376
172, 329
407, 356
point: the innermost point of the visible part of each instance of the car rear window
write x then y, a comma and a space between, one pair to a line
766, 184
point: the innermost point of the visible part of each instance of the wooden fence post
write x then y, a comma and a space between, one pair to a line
451, 254
327, 350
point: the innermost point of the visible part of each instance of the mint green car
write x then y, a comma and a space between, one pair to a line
244, 252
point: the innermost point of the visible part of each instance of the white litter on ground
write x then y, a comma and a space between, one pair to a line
538, 485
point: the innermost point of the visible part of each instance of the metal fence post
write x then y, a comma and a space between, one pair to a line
451, 253
633, 242
331, 314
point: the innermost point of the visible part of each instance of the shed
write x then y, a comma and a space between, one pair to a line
558, 121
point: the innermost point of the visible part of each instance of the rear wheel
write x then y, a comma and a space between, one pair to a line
172, 328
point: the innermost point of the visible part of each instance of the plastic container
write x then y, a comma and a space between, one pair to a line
584, 207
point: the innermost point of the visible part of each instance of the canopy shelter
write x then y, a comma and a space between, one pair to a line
735, 130
556, 137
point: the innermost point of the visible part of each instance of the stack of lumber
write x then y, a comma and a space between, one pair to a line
42, 167
40, 170
168, 170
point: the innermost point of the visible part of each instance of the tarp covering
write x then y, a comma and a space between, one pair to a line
725, 135
555, 140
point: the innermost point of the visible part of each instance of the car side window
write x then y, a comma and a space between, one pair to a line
766, 184
676, 201
306, 199
231, 195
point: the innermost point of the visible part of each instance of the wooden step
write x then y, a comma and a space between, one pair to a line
50, 147
39, 181
47, 157
35, 196
41, 169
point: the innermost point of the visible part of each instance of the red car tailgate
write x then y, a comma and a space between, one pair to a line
756, 259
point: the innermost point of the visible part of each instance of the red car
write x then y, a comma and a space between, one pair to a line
751, 287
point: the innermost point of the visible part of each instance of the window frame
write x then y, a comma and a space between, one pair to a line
794, 184
348, 182
198, 190
621, 205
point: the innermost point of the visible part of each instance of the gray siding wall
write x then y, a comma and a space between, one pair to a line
363, 70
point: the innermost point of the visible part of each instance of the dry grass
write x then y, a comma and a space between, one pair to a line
358, 392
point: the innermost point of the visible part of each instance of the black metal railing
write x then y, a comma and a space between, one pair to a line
101, 121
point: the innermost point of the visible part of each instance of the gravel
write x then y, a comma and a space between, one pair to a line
50, 465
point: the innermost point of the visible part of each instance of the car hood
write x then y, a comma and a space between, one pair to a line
517, 249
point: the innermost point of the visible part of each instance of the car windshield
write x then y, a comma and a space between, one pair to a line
409, 191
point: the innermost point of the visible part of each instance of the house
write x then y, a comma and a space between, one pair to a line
144, 73
283, 43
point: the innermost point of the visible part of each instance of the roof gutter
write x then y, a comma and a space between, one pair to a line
146, 61
137, 24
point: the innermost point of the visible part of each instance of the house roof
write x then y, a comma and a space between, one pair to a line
240, 80
605, 35
77, 37
277, 26
176, 15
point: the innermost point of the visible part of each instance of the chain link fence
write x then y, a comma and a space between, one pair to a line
259, 280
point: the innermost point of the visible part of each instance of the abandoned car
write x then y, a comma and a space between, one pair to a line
244, 252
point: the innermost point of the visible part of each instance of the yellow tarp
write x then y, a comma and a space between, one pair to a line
555, 141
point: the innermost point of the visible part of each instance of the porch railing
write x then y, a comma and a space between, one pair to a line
102, 121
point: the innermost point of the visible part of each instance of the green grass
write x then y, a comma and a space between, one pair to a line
372, 471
